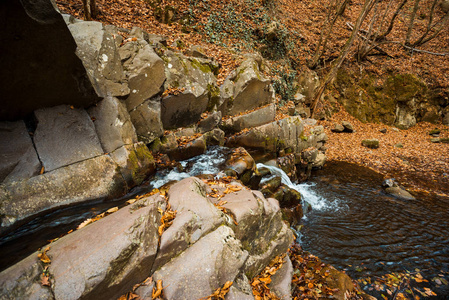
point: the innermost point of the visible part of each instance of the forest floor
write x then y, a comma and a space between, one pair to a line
228, 29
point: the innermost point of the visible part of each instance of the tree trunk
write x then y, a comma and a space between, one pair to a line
90, 9
368, 5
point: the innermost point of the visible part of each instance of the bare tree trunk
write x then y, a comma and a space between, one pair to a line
390, 26
325, 38
412, 21
425, 37
90, 9
368, 5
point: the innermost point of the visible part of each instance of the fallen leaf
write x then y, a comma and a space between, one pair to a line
157, 290
43, 256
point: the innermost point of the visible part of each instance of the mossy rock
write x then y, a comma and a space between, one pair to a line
434, 131
370, 99
371, 143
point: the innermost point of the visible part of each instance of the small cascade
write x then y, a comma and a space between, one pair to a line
305, 189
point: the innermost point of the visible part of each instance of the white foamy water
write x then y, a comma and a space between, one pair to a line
305, 189
207, 163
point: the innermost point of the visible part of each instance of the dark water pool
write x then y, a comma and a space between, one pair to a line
368, 233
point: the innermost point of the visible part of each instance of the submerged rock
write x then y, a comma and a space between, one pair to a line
392, 188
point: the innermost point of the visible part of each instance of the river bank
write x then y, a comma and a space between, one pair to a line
419, 165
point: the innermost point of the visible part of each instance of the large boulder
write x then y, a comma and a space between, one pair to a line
191, 149
105, 259
196, 216
204, 267
113, 124
275, 136
18, 158
247, 88
92, 179
65, 135
281, 281
253, 119
194, 86
97, 48
100, 261
144, 69
135, 161
147, 120
23, 281
38, 52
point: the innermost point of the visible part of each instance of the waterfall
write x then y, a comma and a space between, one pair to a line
305, 189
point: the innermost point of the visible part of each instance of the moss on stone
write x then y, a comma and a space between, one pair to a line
202, 67
369, 99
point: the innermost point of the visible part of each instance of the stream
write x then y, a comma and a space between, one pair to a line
353, 224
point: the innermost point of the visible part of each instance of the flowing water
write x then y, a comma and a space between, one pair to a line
353, 224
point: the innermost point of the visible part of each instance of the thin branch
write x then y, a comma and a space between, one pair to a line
417, 50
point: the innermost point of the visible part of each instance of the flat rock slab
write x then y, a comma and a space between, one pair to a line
105, 259
22, 281
18, 158
253, 119
281, 281
65, 136
196, 216
203, 267
274, 136
113, 124
96, 178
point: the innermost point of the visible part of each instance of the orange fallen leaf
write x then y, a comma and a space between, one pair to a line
43, 256
157, 290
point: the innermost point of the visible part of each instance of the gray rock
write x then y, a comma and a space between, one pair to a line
338, 128
96, 178
97, 49
317, 130
195, 77
435, 140
215, 137
253, 119
384, 130
144, 69
210, 122
240, 161
371, 143
40, 51
399, 145
319, 161
147, 121
196, 216
281, 281
275, 136
392, 188
406, 114
136, 163
189, 150
444, 140
348, 126
196, 51
23, 281
65, 136
105, 259
259, 220
278, 245
18, 158
236, 294
113, 124
247, 89
202, 268
164, 144
308, 82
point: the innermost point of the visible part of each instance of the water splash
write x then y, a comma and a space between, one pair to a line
305, 189
210, 162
